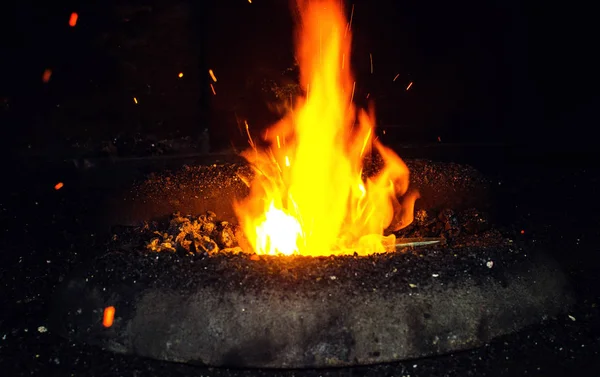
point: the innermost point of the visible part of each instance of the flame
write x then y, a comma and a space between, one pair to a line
308, 195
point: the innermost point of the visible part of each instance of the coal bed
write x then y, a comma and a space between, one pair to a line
183, 302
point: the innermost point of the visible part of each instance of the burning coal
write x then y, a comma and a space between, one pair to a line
309, 196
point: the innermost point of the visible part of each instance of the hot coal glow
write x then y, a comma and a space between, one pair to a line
309, 195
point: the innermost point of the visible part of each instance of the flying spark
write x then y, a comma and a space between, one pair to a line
409, 85
109, 316
213, 89
395, 77
212, 75
73, 19
349, 25
46, 75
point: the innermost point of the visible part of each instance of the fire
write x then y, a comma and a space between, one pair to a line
309, 195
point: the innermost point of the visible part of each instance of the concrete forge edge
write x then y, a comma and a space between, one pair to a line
322, 328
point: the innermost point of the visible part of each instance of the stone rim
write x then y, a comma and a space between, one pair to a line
326, 326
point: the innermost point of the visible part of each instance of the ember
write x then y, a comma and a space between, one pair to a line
195, 234
309, 196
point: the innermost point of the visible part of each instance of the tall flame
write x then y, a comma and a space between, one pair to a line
308, 196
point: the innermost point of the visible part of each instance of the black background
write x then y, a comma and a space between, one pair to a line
515, 73
496, 71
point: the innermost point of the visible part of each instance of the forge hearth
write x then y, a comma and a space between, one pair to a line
239, 309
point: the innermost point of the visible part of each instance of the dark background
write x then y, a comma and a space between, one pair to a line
515, 73
492, 71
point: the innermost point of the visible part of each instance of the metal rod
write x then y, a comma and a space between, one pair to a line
410, 242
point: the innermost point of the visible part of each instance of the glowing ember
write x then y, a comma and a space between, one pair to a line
308, 196
46, 75
73, 19
212, 75
109, 316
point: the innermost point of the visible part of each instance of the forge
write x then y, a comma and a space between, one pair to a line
320, 248
237, 308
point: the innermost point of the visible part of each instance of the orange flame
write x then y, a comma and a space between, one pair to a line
308, 196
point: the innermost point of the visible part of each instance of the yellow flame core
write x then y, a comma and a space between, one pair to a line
308, 196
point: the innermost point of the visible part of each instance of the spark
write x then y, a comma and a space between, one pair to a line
135, 100
287, 161
212, 75
58, 186
249, 137
362, 151
395, 77
409, 85
180, 75
73, 19
349, 25
353, 89
343, 60
371, 58
109, 316
368, 94
46, 75
213, 89
274, 160
278, 143
250, 1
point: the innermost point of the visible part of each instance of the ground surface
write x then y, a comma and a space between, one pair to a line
546, 199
